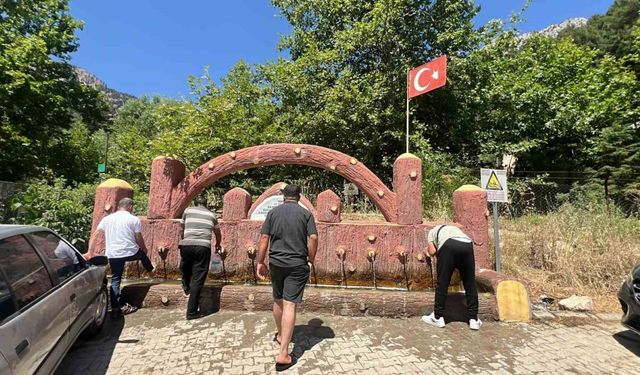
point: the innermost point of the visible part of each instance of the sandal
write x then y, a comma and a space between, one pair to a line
275, 338
128, 309
285, 366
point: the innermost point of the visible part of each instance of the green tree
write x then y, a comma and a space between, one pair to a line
609, 32
616, 150
131, 135
74, 154
239, 113
53, 204
542, 99
345, 83
40, 96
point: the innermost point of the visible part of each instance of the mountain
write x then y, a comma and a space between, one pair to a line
554, 30
115, 98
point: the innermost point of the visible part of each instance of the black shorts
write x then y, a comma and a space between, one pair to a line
288, 283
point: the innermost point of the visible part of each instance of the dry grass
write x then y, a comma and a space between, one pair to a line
572, 251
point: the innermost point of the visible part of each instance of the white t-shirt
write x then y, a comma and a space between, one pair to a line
120, 230
447, 232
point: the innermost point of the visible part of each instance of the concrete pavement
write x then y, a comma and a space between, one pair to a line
160, 341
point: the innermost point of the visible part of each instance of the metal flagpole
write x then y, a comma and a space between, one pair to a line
408, 70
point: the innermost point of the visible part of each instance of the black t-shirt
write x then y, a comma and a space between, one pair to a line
289, 225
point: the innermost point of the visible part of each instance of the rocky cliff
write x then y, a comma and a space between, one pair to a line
115, 98
554, 30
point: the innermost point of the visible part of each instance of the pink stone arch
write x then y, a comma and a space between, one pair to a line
333, 161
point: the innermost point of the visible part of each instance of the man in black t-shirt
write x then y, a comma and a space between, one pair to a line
290, 230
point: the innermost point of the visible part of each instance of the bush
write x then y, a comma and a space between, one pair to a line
65, 209
442, 174
580, 249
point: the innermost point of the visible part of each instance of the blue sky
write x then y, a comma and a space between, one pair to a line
147, 47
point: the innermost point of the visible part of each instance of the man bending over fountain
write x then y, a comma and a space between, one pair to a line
453, 249
290, 230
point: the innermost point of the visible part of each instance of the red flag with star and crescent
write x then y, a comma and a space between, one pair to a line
427, 77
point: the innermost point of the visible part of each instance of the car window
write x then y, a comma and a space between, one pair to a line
24, 270
60, 255
7, 307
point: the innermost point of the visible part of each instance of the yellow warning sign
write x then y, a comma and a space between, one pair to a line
493, 183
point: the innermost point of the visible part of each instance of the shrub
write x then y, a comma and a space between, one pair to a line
62, 208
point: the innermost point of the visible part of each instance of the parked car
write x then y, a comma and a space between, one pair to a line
629, 296
49, 295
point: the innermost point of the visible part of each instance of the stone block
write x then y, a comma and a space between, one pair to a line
236, 205
166, 173
108, 194
407, 184
470, 211
329, 207
576, 303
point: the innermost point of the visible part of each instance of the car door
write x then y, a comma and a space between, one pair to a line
7, 308
5, 369
82, 282
41, 319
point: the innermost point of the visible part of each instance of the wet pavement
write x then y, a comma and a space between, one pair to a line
158, 341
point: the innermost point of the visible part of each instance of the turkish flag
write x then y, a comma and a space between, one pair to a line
427, 77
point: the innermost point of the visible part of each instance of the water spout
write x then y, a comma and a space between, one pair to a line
402, 256
251, 252
313, 270
223, 255
163, 252
427, 261
372, 259
341, 254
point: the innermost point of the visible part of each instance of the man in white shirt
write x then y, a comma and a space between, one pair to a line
124, 243
453, 249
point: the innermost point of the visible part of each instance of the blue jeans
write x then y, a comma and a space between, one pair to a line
117, 268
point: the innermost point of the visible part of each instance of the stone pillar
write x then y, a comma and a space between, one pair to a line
329, 207
470, 210
407, 184
108, 194
236, 204
166, 173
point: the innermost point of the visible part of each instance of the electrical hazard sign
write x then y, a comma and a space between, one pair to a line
494, 181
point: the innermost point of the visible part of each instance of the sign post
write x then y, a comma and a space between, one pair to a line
494, 181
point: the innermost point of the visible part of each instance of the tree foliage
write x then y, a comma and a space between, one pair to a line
542, 99
611, 32
67, 210
236, 114
559, 104
344, 86
555, 104
40, 97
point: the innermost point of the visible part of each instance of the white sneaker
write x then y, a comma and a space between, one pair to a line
431, 319
475, 324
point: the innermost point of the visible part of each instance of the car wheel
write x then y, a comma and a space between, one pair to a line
99, 314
